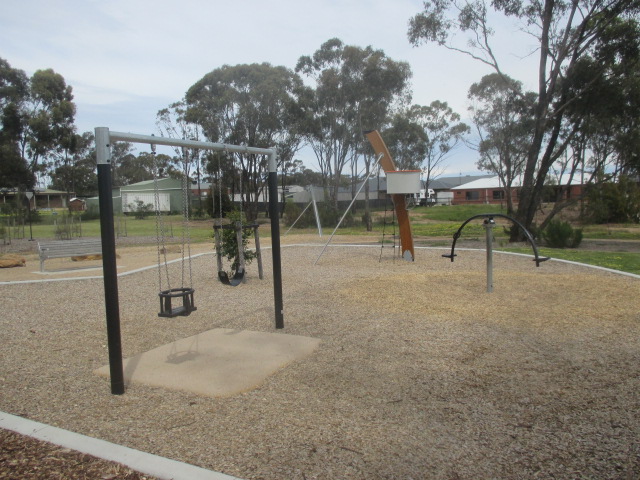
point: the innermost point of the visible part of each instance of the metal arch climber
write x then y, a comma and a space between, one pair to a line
103, 140
489, 216
489, 223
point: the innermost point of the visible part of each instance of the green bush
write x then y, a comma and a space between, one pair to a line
559, 234
91, 213
36, 217
229, 242
292, 212
330, 216
141, 210
212, 203
614, 202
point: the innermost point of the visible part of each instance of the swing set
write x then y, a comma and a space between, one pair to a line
104, 139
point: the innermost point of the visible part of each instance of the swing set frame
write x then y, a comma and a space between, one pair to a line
104, 138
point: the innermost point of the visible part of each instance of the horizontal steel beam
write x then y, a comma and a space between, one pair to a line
108, 136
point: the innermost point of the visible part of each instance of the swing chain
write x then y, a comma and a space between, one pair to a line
186, 226
160, 229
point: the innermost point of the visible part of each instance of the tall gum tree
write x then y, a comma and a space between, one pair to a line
564, 31
354, 90
502, 115
172, 122
424, 137
14, 89
48, 116
254, 105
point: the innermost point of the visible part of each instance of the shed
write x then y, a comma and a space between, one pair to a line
169, 193
77, 205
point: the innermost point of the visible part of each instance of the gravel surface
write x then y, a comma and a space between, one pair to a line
420, 373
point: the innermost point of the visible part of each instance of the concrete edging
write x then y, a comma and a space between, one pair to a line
147, 463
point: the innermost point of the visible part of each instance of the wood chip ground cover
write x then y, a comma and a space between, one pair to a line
420, 373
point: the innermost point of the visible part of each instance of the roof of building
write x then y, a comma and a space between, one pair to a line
494, 182
447, 183
150, 184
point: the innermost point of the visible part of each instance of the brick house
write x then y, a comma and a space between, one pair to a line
490, 191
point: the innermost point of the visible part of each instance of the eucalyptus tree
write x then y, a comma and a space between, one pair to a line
609, 114
406, 141
443, 133
172, 122
256, 105
120, 152
503, 117
48, 120
354, 91
564, 33
14, 89
75, 169
37, 121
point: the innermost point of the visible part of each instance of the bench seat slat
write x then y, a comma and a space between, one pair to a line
67, 248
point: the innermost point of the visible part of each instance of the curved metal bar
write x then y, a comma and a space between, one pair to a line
538, 259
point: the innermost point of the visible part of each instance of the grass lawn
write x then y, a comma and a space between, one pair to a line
439, 221
623, 261
201, 230
453, 213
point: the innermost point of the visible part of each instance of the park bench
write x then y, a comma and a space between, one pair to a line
68, 248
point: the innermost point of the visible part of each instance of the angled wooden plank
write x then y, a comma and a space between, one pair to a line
399, 201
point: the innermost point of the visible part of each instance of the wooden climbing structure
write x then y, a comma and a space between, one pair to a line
399, 200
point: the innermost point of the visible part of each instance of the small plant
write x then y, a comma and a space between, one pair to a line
141, 210
229, 242
559, 234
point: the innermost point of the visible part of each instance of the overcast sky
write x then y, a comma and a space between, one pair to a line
127, 59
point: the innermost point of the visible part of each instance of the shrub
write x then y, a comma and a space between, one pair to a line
91, 213
212, 203
330, 215
292, 211
141, 210
614, 202
559, 234
229, 242
36, 217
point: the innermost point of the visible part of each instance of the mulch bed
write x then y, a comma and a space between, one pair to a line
23, 457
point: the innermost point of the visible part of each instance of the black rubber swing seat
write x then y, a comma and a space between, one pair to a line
166, 307
233, 281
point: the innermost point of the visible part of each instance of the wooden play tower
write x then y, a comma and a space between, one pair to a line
399, 200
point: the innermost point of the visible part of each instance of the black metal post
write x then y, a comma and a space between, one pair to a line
30, 230
275, 248
110, 275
